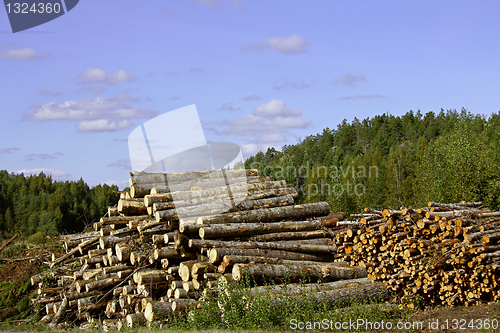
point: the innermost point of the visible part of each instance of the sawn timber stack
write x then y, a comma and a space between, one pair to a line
173, 235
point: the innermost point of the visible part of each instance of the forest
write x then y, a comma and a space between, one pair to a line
36, 203
384, 161
392, 161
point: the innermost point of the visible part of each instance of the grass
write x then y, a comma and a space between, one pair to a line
234, 308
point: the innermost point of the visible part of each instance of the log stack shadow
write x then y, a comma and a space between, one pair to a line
173, 238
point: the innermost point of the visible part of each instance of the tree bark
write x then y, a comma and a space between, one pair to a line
296, 246
135, 320
157, 311
152, 276
8, 242
165, 253
216, 255
242, 229
291, 235
101, 284
222, 191
298, 289
326, 272
132, 207
271, 214
376, 291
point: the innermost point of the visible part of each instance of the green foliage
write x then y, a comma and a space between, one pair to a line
392, 161
38, 238
233, 307
29, 205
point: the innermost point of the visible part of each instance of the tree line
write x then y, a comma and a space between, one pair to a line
391, 161
36, 203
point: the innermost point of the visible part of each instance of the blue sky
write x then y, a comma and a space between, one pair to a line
261, 73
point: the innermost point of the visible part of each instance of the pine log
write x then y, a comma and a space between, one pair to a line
324, 272
241, 229
157, 311
85, 244
370, 292
181, 305
291, 235
216, 255
305, 289
246, 188
101, 284
287, 246
57, 317
150, 276
271, 214
135, 320
165, 253
132, 207
167, 200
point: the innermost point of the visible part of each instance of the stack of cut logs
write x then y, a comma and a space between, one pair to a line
173, 235
443, 254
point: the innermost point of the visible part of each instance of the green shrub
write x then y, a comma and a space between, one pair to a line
38, 238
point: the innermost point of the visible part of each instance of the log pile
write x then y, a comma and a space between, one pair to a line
443, 254
173, 235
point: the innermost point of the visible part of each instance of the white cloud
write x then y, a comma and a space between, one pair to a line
103, 125
252, 148
55, 173
207, 3
274, 137
270, 117
228, 107
52, 93
121, 164
197, 70
377, 96
294, 85
95, 108
8, 150
289, 45
94, 90
274, 108
349, 80
24, 53
37, 157
120, 183
95, 115
168, 10
97, 75
253, 97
